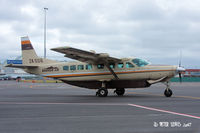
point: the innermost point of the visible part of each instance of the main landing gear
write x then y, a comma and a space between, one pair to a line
103, 91
119, 91
168, 92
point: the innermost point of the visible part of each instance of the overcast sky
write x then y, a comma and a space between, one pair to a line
156, 30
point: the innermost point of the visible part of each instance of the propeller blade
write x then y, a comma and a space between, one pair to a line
180, 77
180, 58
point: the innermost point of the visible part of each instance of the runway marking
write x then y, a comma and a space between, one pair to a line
144, 93
103, 104
49, 103
164, 111
189, 97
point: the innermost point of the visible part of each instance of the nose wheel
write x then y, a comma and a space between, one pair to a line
168, 92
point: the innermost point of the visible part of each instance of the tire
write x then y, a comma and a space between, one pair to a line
168, 92
102, 92
120, 91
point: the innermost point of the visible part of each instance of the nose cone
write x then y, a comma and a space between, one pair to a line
180, 69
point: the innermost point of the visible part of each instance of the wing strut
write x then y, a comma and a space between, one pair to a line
111, 70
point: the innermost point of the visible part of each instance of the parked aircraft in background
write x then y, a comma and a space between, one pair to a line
97, 70
15, 76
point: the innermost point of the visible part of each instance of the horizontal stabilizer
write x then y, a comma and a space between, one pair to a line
20, 66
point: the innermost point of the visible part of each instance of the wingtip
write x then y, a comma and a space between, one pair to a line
60, 48
53, 49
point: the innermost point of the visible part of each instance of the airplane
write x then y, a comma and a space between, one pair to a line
97, 70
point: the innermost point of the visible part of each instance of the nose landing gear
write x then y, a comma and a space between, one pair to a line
168, 92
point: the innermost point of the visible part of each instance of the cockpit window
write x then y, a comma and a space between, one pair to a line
140, 62
129, 65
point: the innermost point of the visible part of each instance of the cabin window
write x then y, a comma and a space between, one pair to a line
100, 66
80, 67
112, 65
73, 67
88, 67
120, 65
66, 68
129, 65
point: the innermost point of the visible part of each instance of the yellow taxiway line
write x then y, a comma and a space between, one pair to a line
188, 97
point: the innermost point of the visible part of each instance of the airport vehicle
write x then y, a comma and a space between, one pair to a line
97, 70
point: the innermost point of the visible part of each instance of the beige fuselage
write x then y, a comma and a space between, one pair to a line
65, 71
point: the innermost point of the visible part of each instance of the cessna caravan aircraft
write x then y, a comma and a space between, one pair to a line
97, 70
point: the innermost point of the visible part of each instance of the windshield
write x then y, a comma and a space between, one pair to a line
140, 62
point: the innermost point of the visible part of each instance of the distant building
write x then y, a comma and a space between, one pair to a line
192, 73
1, 69
13, 73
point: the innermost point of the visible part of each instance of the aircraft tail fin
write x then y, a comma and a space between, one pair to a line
29, 56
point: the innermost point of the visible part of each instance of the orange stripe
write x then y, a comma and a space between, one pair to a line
92, 74
26, 42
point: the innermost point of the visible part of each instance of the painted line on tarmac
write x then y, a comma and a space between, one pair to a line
142, 93
189, 97
102, 104
164, 111
49, 103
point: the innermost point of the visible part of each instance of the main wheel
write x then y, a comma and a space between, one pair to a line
168, 92
102, 92
120, 91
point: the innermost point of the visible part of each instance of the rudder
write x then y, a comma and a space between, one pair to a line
29, 56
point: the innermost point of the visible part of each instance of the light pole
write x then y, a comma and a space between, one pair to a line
45, 9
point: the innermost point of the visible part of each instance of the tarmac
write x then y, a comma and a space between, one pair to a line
61, 108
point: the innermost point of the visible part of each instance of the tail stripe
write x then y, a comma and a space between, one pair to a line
27, 47
26, 43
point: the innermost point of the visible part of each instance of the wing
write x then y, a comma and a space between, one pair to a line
86, 56
89, 57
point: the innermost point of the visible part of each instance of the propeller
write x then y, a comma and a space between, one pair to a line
180, 69
180, 77
179, 73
